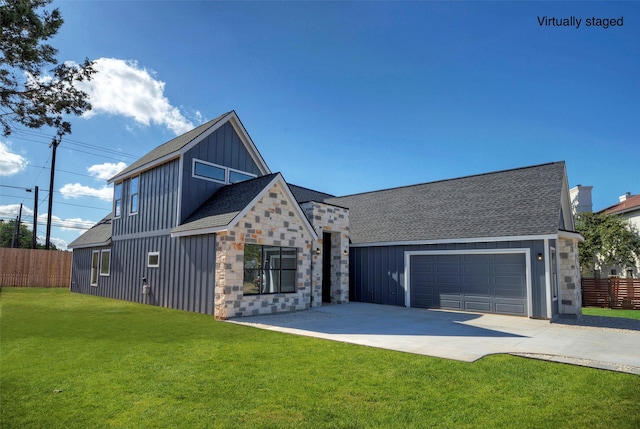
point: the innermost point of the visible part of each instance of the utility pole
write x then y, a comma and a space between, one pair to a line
54, 145
34, 239
15, 243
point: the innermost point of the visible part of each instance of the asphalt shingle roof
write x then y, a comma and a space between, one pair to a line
169, 147
100, 233
225, 204
519, 202
303, 195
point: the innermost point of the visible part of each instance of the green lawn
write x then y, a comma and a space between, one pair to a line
121, 365
627, 314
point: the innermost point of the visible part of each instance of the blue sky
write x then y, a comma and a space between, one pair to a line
343, 97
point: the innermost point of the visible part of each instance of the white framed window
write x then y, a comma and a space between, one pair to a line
95, 262
105, 262
218, 173
236, 176
134, 186
209, 171
117, 199
153, 259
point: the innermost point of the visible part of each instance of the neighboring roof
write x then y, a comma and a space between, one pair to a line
511, 203
224, 205
173, 148
630, 204
304, 195
98, 235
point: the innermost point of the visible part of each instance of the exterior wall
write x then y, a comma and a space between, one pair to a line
569, 278
222, 147
335, 220
272, 221
158, 199
377, 273
184, 280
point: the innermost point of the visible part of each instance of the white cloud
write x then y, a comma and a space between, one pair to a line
123, 88
11, 211
76, 190
69, 224
10, 163
107, 170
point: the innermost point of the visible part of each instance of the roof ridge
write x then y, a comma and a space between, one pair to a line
453, 179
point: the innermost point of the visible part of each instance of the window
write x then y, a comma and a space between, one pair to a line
95, 260
238, 176
205, 170
133, 207
153, 259
217, 173
105, 262
269, 269
117, 199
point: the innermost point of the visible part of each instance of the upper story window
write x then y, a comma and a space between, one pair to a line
133, 194
117, 200
218, 173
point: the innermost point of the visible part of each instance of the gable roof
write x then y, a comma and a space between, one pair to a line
304, 195
177, 146
97, 235
512, 203
229, 204
630, 204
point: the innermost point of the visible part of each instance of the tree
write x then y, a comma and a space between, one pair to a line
30, 94
609, 240
8, 230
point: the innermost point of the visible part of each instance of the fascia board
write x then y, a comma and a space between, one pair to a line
248, 142
148, 166
88, 245
200, 231
457, 240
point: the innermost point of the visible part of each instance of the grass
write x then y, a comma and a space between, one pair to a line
627, 314
117, 364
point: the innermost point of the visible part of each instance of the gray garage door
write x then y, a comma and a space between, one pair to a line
488, 283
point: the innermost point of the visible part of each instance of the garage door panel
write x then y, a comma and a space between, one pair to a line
492, 283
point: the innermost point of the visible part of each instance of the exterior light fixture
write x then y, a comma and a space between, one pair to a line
539, 256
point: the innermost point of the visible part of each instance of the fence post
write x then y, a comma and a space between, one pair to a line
610, 292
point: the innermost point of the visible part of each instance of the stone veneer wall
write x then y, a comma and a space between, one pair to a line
272, 221
335, 220
569, 276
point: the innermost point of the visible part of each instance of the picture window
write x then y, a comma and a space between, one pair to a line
269, 269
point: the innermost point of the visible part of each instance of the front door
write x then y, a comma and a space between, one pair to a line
326, 267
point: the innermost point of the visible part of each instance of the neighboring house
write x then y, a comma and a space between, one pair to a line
627, 208
200, 223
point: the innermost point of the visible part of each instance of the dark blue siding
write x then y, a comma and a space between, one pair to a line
185, 279
223, 147
377, 272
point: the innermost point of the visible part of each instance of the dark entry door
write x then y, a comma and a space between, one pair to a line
326, 267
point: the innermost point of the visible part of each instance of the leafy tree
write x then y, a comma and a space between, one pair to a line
609, 239
8, 230
30, 94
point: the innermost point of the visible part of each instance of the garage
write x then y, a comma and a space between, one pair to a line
481, 282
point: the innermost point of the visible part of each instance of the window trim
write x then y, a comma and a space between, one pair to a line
101, 271
227, 172
132, 194
95, 271
261, 274
149, 255
211, 164
233, 170
116, 213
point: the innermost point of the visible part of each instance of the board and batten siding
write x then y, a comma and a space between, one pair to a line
157, 202
377, 273
223, 147
184, 280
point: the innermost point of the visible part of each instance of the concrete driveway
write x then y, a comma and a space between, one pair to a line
465, 336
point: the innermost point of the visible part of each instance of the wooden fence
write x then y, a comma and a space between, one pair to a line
611, 293
34, 268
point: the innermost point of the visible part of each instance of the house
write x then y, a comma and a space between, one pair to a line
201, 223
628, 208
